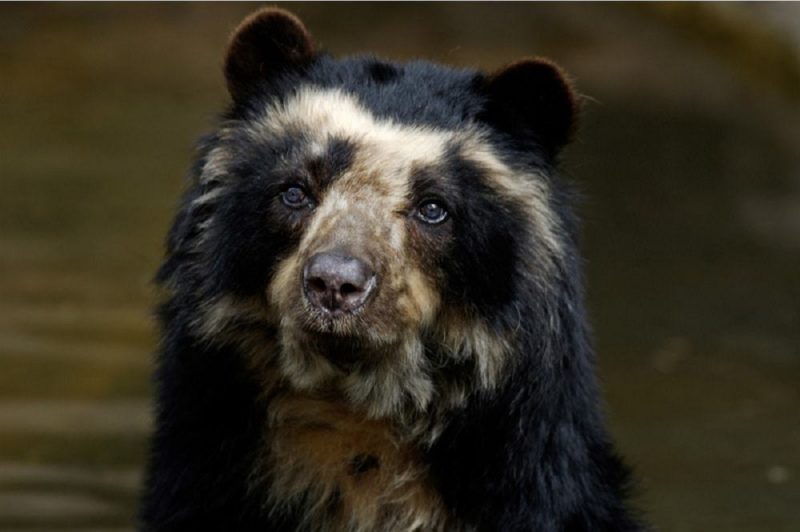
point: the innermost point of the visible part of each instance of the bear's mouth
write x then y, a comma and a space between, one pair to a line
331, 324
346, 352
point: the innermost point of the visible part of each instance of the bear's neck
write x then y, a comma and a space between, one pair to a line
346, 471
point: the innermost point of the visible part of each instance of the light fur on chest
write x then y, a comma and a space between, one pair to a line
340, 471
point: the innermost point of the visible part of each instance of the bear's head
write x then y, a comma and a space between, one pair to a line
387, 233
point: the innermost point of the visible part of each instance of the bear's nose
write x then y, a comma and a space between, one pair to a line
337, 282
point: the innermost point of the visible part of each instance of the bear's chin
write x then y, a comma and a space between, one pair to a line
347, 350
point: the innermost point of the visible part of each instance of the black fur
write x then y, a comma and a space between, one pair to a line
530, 456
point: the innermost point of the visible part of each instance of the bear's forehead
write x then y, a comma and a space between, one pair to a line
415, 92
383, 155
323, 116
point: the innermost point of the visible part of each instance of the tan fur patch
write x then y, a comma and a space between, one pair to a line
421, 300
218, 159
333, 113
402, 386
366, 210
530, 191
465, 338
285, 283
234, 320
349, 473
345, 448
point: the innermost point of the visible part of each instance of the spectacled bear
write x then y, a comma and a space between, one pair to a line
372, 313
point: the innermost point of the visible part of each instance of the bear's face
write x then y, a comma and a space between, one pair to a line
364, 228
361, 281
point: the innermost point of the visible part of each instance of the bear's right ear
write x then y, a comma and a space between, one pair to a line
266, 44
532, 100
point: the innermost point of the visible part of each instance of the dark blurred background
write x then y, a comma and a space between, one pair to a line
688, 159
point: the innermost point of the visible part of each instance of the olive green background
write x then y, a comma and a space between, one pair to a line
689, 163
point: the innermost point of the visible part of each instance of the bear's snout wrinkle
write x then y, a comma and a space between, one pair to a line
338, 283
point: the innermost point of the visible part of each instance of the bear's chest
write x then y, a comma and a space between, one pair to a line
343, 472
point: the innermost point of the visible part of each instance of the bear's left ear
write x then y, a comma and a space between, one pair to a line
266, 44
532, 100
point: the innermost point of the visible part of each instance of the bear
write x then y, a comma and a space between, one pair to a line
372, 309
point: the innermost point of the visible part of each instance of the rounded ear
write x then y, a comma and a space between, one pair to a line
266, 44
532, 100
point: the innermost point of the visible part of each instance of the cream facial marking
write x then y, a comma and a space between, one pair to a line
372, 315
531, 191
365, 210
352, 473
322, 114
388, 148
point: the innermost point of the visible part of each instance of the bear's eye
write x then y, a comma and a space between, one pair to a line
295, 197
432, 212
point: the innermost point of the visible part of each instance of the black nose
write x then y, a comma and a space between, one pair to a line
335, 281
